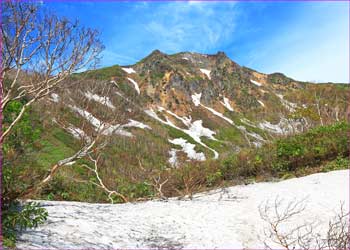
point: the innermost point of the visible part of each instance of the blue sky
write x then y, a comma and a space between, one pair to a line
304, 40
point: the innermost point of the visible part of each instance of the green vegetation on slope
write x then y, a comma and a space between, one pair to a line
296, 154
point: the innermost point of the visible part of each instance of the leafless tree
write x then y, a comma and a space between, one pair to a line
39, 51
318, 107
157, 184
100, 183
303, 236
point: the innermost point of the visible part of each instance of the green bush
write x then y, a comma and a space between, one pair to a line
338, 164
292, 153
16, 218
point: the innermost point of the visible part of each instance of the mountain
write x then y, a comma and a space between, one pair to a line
211, 101
170, 111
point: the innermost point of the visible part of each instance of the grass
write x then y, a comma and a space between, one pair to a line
102, 74
52, 150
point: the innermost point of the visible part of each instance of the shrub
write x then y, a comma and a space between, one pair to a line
16, 218
338, 164
292, 154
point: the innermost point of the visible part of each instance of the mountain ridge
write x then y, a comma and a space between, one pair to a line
179, 118
181, 88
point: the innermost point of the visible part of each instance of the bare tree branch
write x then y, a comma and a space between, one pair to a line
40, 50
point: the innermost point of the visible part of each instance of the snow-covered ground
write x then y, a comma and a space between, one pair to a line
223, 219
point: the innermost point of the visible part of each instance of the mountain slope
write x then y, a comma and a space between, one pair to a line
212, 101
169, 112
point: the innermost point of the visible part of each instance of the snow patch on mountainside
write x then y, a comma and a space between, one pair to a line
185, 120
108, 129
248, 122
252, 134
129, 70
78, 133
88, 116
225, 218
274, 128
195, 129
104, 100
136, 85
188, 148
196, 99
261, 103
290, 106
173, 158
227, 104
258, 140
218, 114
55, 97
256, 83
284, 126
136, 124
206, 72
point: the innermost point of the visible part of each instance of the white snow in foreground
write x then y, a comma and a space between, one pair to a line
104, 100
136, 86
206, 72
129, 70
55, 97
223, 218
227, 104
256, 83
188, 148
261, 103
